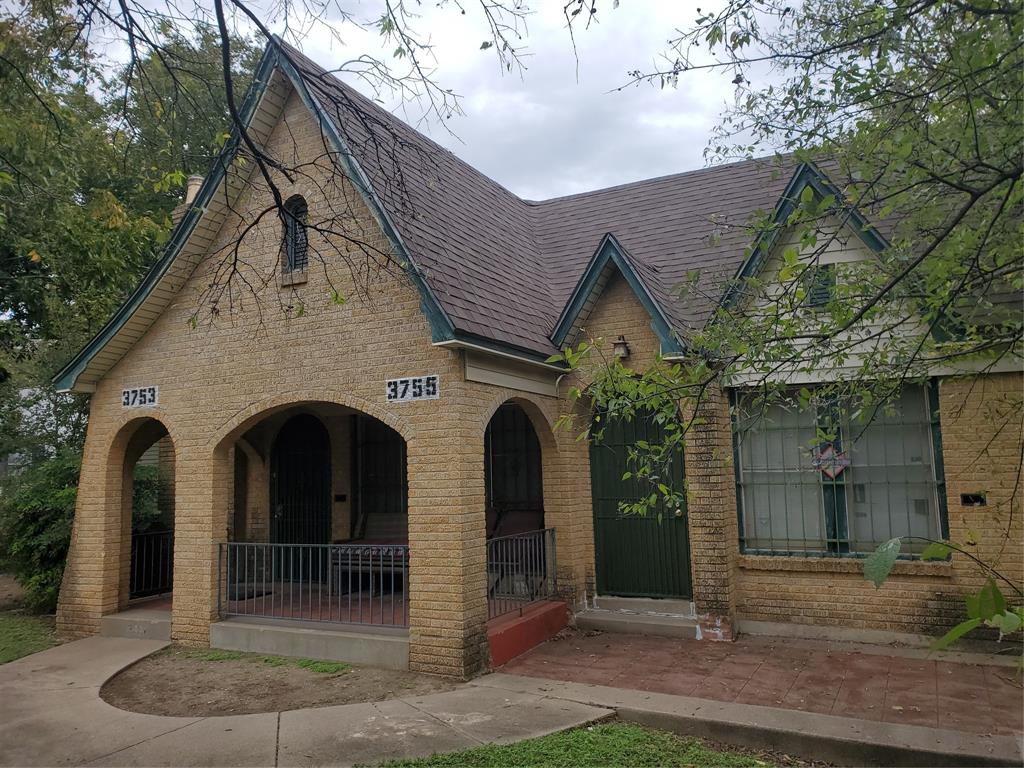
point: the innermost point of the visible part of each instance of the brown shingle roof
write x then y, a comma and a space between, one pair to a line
503, 268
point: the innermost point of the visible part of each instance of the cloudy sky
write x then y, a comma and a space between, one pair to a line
549, 132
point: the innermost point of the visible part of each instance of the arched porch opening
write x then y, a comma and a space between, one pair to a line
147, 513
318, 529
521, 566
513, 476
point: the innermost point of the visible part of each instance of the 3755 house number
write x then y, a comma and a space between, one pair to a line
139, 396
413, 388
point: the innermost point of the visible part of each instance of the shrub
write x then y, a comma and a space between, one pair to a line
36, 509
147, 487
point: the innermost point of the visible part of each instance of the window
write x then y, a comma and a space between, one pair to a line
296, 239
878, 476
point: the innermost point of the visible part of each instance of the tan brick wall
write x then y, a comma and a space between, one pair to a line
618, 312
982, 444
982, 450
219, 379
711, 505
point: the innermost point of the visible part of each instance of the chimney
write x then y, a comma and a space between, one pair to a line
192, 186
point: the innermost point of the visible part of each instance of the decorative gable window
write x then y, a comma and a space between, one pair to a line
825, 481
296, 238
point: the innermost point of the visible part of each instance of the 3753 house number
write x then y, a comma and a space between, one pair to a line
139, 396
413, 388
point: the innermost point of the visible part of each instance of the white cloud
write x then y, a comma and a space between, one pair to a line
548, 132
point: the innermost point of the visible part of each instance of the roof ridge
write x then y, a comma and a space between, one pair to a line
329, 78
655, 179
353, 91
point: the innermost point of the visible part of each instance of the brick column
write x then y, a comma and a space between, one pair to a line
205, 491
711, 497
91, 577
447, 579
567, 507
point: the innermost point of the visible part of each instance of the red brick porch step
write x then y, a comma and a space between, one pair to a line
513, 634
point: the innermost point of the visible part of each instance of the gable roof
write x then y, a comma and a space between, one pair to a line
492, 268
807, 175
609, 257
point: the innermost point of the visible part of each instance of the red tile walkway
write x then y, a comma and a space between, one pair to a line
840, 679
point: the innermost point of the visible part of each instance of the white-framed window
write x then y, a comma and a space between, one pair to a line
878, 474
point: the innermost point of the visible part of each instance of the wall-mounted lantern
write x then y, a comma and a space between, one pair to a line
620, 348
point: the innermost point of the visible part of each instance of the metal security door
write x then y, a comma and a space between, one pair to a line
636, 556
300, 479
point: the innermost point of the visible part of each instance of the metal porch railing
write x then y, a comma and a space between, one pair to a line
152, 564
520, 570
346, 583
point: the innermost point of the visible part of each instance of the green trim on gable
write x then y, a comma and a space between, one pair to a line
66, 378
610, 250
441, 326
806, 175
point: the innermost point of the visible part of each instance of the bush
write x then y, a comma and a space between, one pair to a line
146, 490
36, 509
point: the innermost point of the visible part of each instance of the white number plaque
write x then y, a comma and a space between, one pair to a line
413, 388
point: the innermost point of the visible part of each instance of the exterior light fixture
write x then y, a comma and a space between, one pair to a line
621, 348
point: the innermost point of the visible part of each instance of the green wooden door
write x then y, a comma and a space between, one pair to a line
636, 556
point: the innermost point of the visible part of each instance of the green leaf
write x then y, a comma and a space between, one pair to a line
955, 634
555, 358
990, 601
937, 550
1007, 623
973, 610
879, 563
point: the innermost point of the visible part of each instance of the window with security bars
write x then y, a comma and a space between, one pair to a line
296, 238
879, 475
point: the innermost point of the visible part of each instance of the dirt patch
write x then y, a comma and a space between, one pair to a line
188, 682
11, 593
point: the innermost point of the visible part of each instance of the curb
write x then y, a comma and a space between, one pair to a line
840, 740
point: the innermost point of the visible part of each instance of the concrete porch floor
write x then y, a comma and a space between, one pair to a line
875, 683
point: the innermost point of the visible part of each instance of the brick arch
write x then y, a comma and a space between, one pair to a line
121, 428
534, 407
135, 433
237, 424
553, 461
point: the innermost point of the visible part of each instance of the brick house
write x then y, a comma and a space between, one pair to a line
383, 473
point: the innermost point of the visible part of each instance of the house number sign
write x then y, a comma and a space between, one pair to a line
413, 388
139, 396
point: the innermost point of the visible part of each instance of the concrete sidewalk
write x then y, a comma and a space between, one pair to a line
839, 740
51, 714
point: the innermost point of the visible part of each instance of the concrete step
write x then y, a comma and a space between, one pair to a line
138, 623
665, 606
636, 623
375, 646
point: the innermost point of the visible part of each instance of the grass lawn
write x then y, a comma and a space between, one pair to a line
611, 744
22, 634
